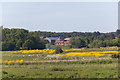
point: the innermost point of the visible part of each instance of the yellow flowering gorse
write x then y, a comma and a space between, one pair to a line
13, 61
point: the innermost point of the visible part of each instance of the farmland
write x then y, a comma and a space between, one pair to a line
72, 63
59, 40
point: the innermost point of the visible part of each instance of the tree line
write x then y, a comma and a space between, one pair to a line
95, 34
79, 42
17, 39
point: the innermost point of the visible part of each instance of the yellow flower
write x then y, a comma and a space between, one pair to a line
17, 61
6, 61
21, 61
9, 62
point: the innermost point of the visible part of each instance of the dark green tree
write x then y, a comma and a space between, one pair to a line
19, 44
8, 46
77, 42
28, 44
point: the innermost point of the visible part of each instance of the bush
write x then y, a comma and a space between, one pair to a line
58, 50
115, 55
57, 69
4, 72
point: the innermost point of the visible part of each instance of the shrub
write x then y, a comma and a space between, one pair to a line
115, 55
57, 69
4, 72
58, 50
11, 75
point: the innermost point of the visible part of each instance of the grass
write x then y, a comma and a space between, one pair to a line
79, 69
62, 70
33, 57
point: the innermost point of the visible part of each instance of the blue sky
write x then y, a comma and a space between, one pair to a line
61, 16
0, 14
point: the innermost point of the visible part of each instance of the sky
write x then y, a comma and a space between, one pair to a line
0, 14
61, 16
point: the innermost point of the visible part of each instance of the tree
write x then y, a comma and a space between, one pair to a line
8, 46
22, 38
77, 42
101, 44
17, 38
28, 44
19, 44
119, 40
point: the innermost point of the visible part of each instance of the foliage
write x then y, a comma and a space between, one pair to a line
58, 50
119, 40
115, 55
77, 42
23, 39
93, 35
28, 44
6, 46
16, 39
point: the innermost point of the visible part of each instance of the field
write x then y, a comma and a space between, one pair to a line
72, 63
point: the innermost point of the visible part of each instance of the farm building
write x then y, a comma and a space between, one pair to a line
58, 40
64, 42
52, 40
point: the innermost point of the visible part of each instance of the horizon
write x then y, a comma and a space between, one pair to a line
62, 32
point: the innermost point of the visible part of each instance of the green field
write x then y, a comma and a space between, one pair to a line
103, 68
62, 70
